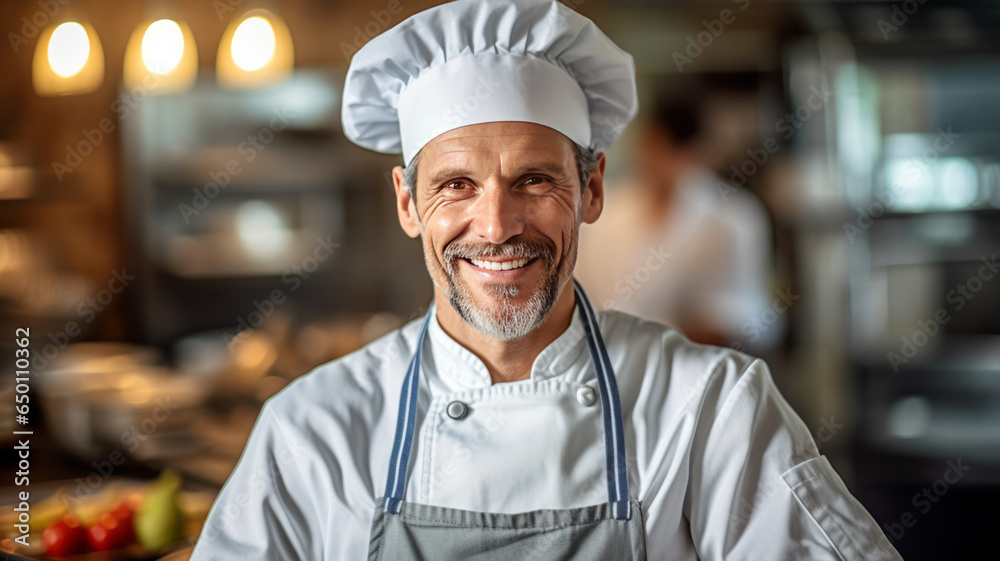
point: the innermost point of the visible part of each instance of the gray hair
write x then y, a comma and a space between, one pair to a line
586, 162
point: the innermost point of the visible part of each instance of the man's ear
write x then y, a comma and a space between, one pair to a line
405, 205
593, 195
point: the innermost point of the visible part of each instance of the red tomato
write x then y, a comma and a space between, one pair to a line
64, 537
109, 532
123, 511
126, 515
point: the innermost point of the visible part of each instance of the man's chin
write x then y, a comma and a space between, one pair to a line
496, 305
506, 325
495, 314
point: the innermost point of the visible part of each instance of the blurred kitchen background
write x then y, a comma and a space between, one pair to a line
185, 229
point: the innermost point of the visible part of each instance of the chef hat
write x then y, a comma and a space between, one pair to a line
481, 61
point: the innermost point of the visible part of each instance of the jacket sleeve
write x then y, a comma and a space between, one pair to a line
264, 511
759, 487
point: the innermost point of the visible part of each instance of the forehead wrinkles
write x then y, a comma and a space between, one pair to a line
500, 161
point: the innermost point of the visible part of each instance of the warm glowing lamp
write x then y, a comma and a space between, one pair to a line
68, 60
161, 57
255, 50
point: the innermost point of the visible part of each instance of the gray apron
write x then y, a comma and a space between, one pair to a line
403, 531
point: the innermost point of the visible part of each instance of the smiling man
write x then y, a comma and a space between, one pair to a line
512, 421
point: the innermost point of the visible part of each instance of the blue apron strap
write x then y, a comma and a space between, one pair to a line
406, 418
614, 434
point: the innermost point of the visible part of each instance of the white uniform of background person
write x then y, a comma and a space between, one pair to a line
710, 257
721, 466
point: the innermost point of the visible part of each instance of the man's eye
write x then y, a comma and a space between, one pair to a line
454, 185
532, 181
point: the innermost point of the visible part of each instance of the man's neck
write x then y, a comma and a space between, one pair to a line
508, 361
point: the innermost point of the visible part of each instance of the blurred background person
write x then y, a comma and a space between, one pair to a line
676, 243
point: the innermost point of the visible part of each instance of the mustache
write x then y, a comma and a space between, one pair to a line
513, 248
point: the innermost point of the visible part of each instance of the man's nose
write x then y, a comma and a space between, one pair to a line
497, 215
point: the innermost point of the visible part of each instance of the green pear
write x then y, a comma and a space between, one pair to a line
160, 522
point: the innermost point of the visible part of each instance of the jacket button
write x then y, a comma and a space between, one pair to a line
457, 410
586, 396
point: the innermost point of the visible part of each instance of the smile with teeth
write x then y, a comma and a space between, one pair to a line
499, 265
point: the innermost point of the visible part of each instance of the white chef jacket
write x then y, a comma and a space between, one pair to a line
723, 467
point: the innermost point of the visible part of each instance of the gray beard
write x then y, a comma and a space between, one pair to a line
503, 320
510, 322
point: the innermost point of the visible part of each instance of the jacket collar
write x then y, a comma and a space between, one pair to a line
461, 369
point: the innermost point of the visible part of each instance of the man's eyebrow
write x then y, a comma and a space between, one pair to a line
542, 167
448, 173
